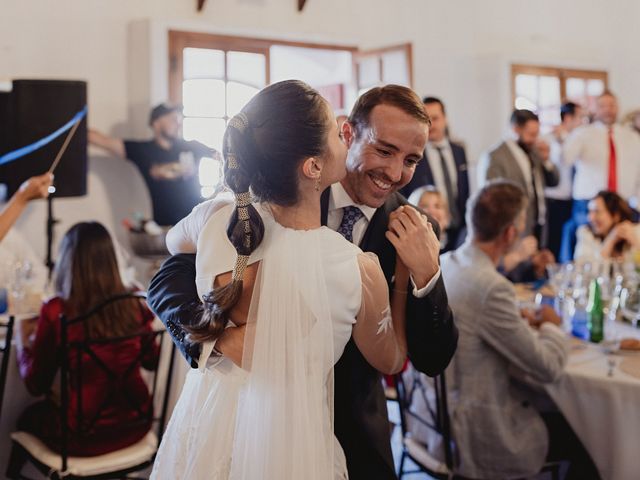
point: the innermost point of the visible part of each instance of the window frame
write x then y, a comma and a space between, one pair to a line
179, 40
561, 73
379, 52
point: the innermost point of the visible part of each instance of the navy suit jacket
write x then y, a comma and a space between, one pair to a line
424, 176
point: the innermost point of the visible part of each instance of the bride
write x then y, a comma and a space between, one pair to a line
299, 290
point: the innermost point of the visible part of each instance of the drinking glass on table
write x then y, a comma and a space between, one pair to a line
630, 303
20, 283
565, 281
556, 274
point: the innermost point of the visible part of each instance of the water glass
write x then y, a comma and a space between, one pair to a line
20, 283
630, 304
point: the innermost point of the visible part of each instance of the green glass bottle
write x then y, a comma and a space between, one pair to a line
595, 312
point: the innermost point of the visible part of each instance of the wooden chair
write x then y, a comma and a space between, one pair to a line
75, 357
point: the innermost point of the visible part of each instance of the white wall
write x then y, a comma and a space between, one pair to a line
462, 53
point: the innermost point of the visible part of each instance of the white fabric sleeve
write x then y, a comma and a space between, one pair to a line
379, 331
183, 237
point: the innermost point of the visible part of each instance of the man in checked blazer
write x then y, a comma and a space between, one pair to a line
386, 134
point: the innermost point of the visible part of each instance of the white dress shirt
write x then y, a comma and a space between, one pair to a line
433, 157
339, 199
588, 149
562, 191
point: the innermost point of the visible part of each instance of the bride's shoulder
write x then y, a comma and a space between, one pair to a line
213, 214
184, 236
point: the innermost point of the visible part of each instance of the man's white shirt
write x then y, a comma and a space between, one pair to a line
588, 149
339, 199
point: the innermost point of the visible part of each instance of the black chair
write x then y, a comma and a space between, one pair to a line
437, 420
6, 354
75, 357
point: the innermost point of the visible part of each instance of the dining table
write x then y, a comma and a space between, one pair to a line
599, 395
599, 391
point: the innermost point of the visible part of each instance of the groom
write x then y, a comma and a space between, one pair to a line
386, 134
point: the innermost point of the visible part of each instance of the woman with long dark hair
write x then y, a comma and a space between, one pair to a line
265, 263
610, 233
86, 273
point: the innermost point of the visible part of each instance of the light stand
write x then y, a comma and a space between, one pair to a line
50, 231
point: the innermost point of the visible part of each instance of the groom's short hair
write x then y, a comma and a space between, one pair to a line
395, 95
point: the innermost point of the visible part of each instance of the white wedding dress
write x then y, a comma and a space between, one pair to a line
273, 418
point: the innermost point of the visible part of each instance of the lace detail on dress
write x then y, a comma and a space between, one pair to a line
386, 322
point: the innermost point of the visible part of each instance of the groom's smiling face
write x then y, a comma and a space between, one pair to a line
383, 156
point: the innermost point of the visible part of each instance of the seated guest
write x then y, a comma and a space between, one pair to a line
435, 204
605, 156
85, 274
525, 262
497, 431
610, 232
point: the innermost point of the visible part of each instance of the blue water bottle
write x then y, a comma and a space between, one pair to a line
580, 322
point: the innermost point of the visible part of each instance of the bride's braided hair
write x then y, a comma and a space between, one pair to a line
263, 145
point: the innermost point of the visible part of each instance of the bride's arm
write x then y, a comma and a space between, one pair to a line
231, 344
379, 331
183, 236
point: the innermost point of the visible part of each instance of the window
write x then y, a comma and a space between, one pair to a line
214, 76
544, 89
385, 65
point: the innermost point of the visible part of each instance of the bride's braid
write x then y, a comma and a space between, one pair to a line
245, 230
263, 146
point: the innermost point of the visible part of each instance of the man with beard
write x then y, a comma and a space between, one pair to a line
525, 161
168, 164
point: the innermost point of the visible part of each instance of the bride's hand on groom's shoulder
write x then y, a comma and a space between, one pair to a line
415, 242
231, 344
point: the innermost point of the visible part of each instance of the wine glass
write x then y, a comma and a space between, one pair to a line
630, 304
21, 277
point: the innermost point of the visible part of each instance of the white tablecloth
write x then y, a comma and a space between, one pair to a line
17, 398
603, 410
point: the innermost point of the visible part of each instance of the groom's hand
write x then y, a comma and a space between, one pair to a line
415, 242
231, 344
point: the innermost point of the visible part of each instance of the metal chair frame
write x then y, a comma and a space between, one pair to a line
6, 355
76, 351
439, 422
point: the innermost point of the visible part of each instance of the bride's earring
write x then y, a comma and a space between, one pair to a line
318, 183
